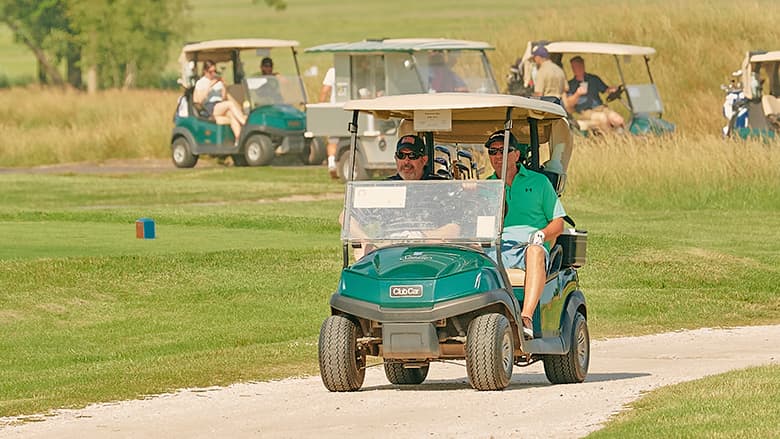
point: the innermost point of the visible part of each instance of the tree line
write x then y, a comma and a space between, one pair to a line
103, 43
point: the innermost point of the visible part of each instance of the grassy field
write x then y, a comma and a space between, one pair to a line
698, 44
683, 230
742, 404
236, 284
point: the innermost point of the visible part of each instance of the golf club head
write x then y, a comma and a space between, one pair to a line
444, 150
444, 173
463, 171
442, 161
466, 154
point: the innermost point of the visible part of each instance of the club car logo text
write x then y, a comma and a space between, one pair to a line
406, 291
416, 256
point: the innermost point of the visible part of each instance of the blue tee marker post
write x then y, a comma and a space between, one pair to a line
144, 228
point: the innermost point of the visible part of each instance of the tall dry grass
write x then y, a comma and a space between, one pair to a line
681, 171
46, 126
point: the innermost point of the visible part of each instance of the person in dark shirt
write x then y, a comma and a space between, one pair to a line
584, 99
411, 159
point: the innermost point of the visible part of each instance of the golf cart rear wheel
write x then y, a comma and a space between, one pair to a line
181, 153
489, 352
345, 161
342, 361
258, 150
314, 152
573, 366
397, 374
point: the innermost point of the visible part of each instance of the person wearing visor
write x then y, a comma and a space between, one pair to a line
411, 159
533, 219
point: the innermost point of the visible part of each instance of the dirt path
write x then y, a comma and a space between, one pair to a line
444, 406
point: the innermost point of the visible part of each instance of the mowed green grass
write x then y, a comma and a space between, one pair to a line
741, 404
237, 282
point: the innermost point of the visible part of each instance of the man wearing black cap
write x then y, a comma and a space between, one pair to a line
533, 219
267, 67
410, 160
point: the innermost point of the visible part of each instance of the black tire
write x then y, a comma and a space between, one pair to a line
342, 362
345, 160
239, 160
573, 366
489, 352
181, 153
258, 150
314, 151
397, 374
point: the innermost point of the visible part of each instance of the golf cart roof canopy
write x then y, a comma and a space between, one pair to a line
765, 56
401, 45
220, 50
473, 116
598, 48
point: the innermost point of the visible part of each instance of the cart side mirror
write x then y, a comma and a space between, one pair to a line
408, 64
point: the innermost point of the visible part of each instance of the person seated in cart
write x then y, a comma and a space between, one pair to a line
411, 160
583, 98
533, 219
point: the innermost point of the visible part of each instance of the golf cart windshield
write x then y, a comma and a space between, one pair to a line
385, 212
454, 71
279, 85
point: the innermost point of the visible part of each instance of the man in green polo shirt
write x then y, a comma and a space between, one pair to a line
533, 219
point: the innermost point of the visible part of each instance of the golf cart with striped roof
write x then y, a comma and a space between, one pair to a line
427, 289
390, 67
639, 97
273, 104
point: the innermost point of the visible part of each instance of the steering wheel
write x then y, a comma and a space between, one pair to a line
616, 94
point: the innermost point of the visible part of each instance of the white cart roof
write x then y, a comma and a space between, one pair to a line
598, 48
474, 116
766, 57
218, 49
401, 45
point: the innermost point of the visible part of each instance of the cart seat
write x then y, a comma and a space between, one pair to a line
219, 120
516, 276
770, 104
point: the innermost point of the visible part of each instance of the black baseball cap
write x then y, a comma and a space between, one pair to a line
498, 136
267, 62
415, 143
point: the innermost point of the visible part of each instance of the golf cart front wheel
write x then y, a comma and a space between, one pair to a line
489, 352
396, 373
342, 361
258, 150
181, 153
571, 367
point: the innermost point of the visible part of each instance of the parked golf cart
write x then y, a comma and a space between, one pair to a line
371, 68
426, 290
641, 100
752, 101
273, 104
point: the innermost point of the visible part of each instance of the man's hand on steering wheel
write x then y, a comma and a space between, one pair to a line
616, 94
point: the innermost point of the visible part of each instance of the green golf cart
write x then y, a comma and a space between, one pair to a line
430, 285
390, 67
273, 103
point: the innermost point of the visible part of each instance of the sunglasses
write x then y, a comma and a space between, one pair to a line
410, 155
494, 151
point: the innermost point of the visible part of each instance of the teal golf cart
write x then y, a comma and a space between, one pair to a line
636, 90
421, 281
273, 104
